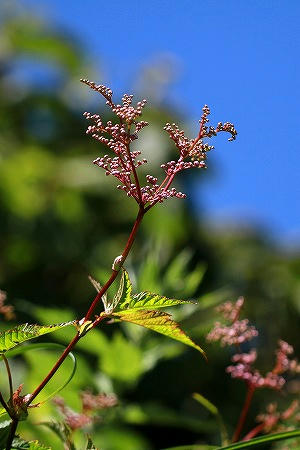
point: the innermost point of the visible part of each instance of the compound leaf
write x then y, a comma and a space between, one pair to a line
21, 333
144, 300
158, 321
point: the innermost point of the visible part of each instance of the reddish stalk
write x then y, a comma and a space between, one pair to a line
254, 432
12, 433
241, 422
54, 369
4, 404
123, 257
10, 383
76, 338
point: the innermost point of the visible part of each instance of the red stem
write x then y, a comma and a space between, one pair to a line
5, 405
76, 338
241, 422
11, 390
123, 257
254, 432
58, 363
12, 432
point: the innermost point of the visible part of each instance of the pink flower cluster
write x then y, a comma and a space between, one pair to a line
273, 419
6, 310
238, 332
118, 138
90, 403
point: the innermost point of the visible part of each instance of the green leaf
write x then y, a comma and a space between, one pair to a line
4, 432
213, 410
62, 431
21, 444
21, 333
123, 295
98, 288
121, 359
158, 321
143, 300
262, 440
206, 403
90, 445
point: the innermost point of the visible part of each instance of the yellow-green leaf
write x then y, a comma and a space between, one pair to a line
158, 321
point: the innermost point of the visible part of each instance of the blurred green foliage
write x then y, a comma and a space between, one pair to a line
62, 219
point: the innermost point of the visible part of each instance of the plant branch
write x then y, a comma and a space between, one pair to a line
122, 259
76, 338
12, 432
58, 363
9, 376
254, 432
4, 404
242, 418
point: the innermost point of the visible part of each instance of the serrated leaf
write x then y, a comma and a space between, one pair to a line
144, 300
22, 444
123, 296
62, 430
148, 300
90, 445
98, 288
158, 321
21, 333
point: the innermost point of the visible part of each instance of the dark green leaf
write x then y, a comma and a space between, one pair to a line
4, 432
90, 445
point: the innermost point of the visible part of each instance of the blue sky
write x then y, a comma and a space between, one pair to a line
242, 59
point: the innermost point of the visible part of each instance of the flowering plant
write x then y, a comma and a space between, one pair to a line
143, 308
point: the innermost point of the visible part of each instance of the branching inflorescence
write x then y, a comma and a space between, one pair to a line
123, 166
236, 332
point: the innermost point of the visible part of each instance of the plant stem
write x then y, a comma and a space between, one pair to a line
241, 422
12, 432
123, 257
76, 338
54, 368
11, 390
254, 432
4, 404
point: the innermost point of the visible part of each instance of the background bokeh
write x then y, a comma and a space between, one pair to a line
62, 219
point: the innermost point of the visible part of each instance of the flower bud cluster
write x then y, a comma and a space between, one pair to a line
235, 334
273, 420
118, 137
6, 310
89, 404
127, 112
103, 90
239, 331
